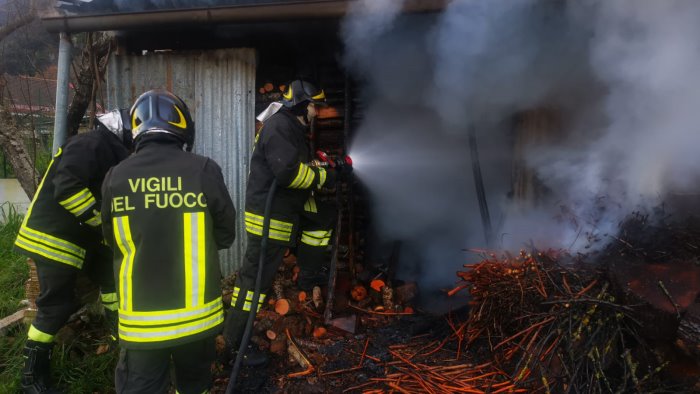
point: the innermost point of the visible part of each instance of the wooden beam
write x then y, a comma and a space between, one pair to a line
11, 320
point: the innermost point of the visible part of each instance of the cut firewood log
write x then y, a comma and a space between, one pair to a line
289, 258
265, 314
261, 90
262, 325
298, 355
320, 332
302, 296
278, 287
377, 285
358, 293
309, 344
327, 112
282, 306
268, 87
388, 297
279, 344
31, 287
279, 325
271, 335
317, 297
9, 321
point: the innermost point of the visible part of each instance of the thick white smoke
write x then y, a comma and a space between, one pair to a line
648, 55
620, 75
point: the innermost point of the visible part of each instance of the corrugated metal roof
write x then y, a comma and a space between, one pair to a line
95, 7
182, 16
218, 86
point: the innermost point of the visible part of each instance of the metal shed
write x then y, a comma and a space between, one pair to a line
211, 64
218, 86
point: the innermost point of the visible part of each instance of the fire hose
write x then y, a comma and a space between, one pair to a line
256, 293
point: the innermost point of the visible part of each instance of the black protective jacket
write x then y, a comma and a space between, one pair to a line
281, 152
166, 212
63, 220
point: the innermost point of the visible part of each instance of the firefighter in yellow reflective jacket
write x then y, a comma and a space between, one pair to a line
281, 152
166, 212
61, 233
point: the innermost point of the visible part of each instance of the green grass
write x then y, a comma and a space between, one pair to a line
78, 369
13, 274
13, 267
75, 365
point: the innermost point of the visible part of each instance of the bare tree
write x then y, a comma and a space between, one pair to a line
91, 70
12, 136
15, 136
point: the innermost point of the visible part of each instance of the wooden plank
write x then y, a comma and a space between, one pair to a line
11, 320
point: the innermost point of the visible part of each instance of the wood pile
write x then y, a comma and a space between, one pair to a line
31, 287
290, 312
539, 321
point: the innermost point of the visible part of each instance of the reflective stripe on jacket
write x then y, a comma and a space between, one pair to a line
281, 152
63, 219
166, 213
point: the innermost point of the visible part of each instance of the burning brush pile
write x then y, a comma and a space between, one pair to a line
556, 329
614, 321
621, 320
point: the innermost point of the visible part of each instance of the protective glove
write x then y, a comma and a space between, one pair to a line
343, 167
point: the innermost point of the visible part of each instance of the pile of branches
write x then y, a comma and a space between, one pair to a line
555, 329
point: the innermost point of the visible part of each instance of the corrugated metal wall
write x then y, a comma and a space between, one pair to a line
218, 86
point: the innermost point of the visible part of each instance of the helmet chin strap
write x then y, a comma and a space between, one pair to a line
302, 113
308, 118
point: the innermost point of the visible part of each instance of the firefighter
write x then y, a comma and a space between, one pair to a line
281, 152
61, 233
166, 212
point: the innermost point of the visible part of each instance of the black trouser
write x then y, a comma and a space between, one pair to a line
311, 258
57, 299
148, 370
237, 316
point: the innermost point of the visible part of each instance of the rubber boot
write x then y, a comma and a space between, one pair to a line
234, 326
36, 375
